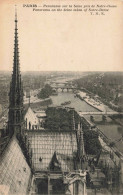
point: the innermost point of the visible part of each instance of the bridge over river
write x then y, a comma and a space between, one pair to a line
64, 87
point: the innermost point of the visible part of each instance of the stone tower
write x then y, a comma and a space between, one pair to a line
15, 115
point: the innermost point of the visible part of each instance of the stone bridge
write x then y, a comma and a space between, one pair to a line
64, 88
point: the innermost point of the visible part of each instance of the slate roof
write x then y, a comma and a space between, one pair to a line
15, 174
45, 143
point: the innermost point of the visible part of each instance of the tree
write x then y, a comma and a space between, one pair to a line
92, 144
45, 92
54, 116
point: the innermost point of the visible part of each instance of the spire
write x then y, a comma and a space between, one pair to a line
16, 70
80, 147
80, 141
15, 118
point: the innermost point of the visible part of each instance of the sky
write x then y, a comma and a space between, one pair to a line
61, 41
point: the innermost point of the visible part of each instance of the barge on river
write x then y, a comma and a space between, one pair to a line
65, 103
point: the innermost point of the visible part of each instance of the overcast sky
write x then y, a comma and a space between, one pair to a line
61, 40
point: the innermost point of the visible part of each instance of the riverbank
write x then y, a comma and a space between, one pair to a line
109, 129
76, 103
105, 138
41, 103
94, 102
105, 142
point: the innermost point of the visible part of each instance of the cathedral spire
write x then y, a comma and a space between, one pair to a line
15, 118
16, 68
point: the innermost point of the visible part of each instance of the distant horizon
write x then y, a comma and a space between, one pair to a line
60, 71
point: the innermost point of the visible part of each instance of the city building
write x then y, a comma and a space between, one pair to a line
34, 119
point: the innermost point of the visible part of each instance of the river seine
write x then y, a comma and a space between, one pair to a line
76, 103
111, 129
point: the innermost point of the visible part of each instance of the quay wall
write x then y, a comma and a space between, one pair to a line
104, 138
88, 103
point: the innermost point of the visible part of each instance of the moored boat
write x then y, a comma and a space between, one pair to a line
65, 103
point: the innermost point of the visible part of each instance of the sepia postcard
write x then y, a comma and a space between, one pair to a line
61, 97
